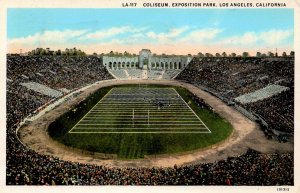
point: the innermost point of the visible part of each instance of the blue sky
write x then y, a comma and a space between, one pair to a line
162, 30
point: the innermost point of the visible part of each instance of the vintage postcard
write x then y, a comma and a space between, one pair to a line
158, 96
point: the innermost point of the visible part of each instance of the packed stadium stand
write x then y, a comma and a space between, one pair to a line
52, 76
262, 86
33, 81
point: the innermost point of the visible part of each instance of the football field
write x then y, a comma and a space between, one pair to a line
141, 110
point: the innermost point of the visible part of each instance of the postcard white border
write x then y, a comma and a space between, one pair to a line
4, 4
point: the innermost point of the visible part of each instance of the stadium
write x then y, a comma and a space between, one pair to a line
146, 97
149, 120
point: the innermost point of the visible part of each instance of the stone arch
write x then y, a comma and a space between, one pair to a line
128, 65
110, 65
152, 65
119, 65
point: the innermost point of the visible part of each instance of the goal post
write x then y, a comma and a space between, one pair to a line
133, 117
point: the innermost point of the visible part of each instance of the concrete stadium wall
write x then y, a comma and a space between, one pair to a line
146, 58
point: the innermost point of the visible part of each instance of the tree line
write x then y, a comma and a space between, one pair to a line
246, 54
200, 54
78, 52
48, 52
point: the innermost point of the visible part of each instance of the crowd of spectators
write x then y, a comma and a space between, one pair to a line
277, 111
27, 167
200, 102
56, 72
252, 168
233, 77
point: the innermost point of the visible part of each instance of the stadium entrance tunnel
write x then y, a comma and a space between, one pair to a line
133, 121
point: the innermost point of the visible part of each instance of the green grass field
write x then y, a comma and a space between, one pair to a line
133, 120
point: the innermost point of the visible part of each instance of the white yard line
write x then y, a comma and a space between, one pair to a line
173, 132
192, 111
155, 113
145, 115
183, 124
156, 118
130, 128
139, 106
91, 109
130, 121
189, 119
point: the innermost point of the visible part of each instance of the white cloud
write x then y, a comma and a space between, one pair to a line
138, 35
201, 35
274, 37
111, 32
266, 38
47, 37
248, 38
168, 36
183, 38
